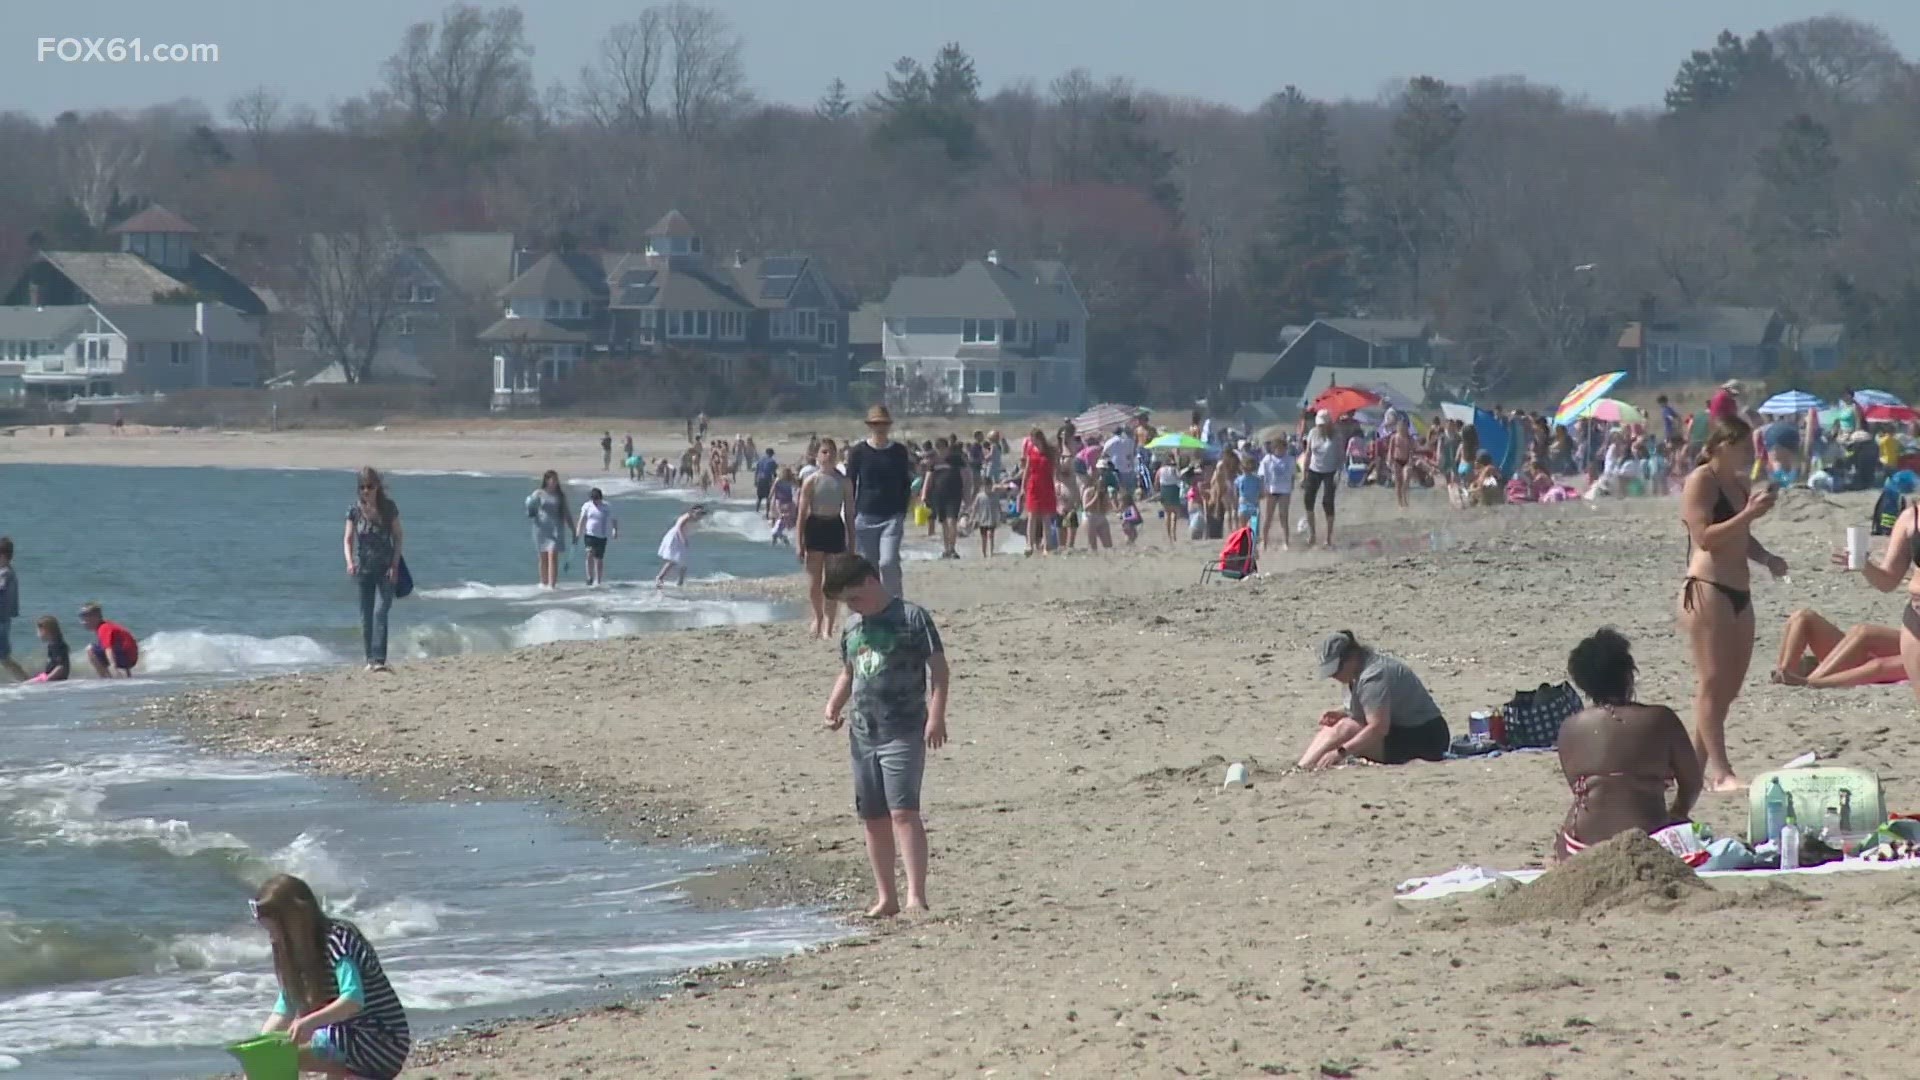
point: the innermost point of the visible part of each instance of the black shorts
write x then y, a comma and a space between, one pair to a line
1322, 484
944, 507
761, 488
596, 546
1422, 742
826, 535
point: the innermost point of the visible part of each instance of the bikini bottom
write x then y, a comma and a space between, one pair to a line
1739, 598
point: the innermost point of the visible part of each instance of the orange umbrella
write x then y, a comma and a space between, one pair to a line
1340, 400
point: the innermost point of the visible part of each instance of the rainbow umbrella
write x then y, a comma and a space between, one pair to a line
1582, 397
1615, 411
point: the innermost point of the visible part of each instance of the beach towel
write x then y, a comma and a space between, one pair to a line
1468, 879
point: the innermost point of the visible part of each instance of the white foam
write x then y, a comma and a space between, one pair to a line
197, 651
446, 472
73, 817
745, 523
107, 770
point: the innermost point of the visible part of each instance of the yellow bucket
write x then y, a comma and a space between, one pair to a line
921, 515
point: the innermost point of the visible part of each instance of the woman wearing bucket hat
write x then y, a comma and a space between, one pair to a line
1390, 717
881, 472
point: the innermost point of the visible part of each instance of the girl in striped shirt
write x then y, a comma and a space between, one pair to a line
335, 1000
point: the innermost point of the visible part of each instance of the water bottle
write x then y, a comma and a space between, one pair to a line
1790, 845
1779, 807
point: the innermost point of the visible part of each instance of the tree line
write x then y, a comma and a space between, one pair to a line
1521, 221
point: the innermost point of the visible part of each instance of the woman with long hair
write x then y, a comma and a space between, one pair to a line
1719, 506
1885, 573
1222, 499
826, 520
371, 543
547, 507
1040, 499
335, 1001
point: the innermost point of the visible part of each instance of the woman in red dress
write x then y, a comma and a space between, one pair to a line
1037, 489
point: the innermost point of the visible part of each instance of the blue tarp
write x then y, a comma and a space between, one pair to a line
1494, 438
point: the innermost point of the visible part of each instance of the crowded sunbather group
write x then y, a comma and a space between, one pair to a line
1619, 755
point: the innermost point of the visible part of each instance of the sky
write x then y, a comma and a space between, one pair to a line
1619, 54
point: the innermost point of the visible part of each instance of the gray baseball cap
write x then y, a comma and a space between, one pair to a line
1332, 648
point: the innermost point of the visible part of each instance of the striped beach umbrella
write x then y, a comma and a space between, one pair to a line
1867, 399
1582, 397
1788, 403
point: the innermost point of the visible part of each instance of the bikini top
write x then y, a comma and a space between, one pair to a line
1582, 784
1723, 512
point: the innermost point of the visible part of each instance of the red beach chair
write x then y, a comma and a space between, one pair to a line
1237, 559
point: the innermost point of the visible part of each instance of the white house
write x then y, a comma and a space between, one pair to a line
94, 350
991, 337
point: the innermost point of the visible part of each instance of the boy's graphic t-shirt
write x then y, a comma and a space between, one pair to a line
888, 653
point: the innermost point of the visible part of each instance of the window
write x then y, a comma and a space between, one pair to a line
403, 325
1008, 330
701, 324
425, 294
646, 325
1026, 332
899, 375
1009, 382
733, 325
806, 370
1062, 332
969, 330
687, 324
808, 324
178, 352
953, 379
989, 328
829, 332
984, 380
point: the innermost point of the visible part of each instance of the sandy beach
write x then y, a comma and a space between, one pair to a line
1102, 906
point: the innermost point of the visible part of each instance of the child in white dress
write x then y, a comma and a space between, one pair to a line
673, 546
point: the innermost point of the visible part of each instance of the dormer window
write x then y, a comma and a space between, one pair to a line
673, 245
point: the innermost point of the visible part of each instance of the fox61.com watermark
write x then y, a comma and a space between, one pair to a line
122, 50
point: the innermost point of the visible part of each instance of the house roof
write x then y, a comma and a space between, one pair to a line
306, 367
1041, 290
1398, 385
56, 324
1721, 325
533, 330
772, 281
175, 322
476, 263
559, 276
672, 223
154, 219
864, 326
1251, 367
113, 277
1380, 331
1822, 335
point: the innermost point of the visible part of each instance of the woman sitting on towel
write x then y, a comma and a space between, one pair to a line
1390, 718
1816, 653
1619, 755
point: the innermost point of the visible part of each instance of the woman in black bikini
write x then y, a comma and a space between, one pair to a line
1716, 607
1886, 572
1619, 755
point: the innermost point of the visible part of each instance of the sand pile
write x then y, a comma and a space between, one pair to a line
1628, 870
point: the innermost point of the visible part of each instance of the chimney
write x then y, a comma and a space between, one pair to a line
200, 317
739, 260
993, 257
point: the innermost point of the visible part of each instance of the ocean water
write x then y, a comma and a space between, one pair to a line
127, 856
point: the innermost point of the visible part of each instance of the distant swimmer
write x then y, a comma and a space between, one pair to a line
9, 609
114, 652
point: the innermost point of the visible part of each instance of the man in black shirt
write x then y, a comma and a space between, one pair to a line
881, 472
946, 488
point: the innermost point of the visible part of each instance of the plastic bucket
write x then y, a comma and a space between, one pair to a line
268, 1057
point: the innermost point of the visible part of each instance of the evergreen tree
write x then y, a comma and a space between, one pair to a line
835, 105
1124, 152
942, 107
1301, 266
1797, 205
1411, 198
1732, 69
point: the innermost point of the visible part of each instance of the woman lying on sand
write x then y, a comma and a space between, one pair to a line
1816, 653
1389, 719
1618, 755
1887, 572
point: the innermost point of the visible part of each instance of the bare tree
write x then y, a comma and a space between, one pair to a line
99, 154
256, 111
347, 278
617, 91
1846, 57
466, 79
707, 82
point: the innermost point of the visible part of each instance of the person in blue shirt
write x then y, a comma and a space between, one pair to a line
764, 472
1247, 487
335, 1001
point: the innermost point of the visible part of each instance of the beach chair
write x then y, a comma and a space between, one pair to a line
1237, 559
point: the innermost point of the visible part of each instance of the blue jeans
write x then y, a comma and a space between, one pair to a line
878, 541
376, 599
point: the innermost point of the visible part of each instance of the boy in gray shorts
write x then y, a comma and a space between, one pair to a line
894, 673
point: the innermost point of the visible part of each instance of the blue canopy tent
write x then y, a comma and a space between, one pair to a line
1495, 439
